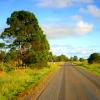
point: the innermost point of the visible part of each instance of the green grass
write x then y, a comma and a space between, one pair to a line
16, 81
94, 68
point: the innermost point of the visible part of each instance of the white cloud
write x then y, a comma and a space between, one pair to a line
76, 17
83, 28
55, 31
95, 11
92, 9
54, 3
61, 3
72, 51
59, 31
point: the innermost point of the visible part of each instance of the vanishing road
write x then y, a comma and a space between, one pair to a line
71, 83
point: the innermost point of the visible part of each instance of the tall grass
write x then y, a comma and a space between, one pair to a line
17, 81
95, 68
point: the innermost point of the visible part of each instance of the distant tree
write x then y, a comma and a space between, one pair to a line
75, 58
54, 58
71, 59
81, 59
50, 58
27, 38
94, 58
62, 58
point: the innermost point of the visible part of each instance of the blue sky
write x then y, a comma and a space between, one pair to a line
72, 26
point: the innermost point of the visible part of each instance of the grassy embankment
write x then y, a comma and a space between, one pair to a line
94, 68
16, 81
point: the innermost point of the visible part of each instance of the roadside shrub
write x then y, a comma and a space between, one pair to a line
6, 67
94, 58
1, 67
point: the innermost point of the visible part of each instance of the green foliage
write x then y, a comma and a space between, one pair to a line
26, 35
2, 56
81, 59
94, 68
53, 58
29, 57
11, 56
75, 58
94, 58
17, 81
2, 45
6, 67
62, 58
50, 57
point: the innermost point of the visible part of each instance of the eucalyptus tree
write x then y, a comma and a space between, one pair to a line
28, 38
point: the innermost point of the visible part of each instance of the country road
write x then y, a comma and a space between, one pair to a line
71, 83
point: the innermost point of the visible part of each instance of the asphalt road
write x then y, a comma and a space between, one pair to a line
71, 83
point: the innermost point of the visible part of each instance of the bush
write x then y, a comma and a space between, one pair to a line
6, 67
94, 58
81, 59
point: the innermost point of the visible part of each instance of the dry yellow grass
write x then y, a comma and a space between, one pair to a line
16, 81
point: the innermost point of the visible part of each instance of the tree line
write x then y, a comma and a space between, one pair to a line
24, 40
24, 43
93, 58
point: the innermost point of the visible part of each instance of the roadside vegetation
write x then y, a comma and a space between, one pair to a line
91, 64
16, 81
24, 55
94, 68
23, 41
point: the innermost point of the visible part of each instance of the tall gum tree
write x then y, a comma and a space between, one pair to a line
27, 37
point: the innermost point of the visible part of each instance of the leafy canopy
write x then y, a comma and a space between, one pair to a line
94, 58
25, 35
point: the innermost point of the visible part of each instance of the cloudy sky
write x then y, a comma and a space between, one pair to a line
72, 26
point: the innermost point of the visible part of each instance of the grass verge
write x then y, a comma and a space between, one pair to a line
94, 68
16, 81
